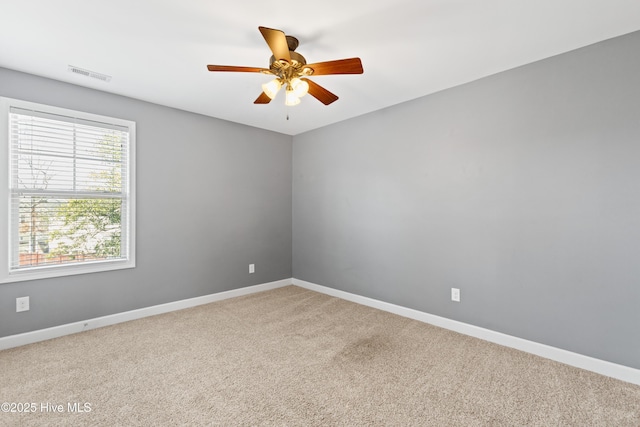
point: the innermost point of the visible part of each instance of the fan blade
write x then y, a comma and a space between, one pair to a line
238, 69
262, 99
320, 93
339, 66
277, 43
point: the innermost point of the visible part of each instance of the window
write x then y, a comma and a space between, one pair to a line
67, 202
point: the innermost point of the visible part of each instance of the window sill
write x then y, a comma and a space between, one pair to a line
66, 270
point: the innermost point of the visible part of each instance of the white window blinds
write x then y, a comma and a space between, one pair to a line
69, 189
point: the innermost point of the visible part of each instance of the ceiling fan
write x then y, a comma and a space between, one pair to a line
291, 70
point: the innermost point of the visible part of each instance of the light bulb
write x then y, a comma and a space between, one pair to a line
271, 89
300, 87
291, 98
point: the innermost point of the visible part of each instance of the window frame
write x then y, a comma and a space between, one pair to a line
60, 270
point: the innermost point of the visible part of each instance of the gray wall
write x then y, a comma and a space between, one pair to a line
212, 197
522, 189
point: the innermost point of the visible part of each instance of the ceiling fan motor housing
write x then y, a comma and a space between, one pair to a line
295, 57
292, 43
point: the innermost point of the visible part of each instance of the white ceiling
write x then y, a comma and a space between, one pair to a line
157, 50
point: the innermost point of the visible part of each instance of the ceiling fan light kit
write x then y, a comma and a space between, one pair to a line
291, 99
271, 89
291, 70
300, 87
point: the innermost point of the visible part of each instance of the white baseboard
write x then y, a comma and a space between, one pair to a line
98, 322
602, 367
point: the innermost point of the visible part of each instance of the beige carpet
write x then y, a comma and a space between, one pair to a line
298, 358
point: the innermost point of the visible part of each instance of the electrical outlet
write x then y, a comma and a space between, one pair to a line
252, 268
455, 294
22, 304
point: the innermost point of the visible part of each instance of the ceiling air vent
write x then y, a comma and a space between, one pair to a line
89, 73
